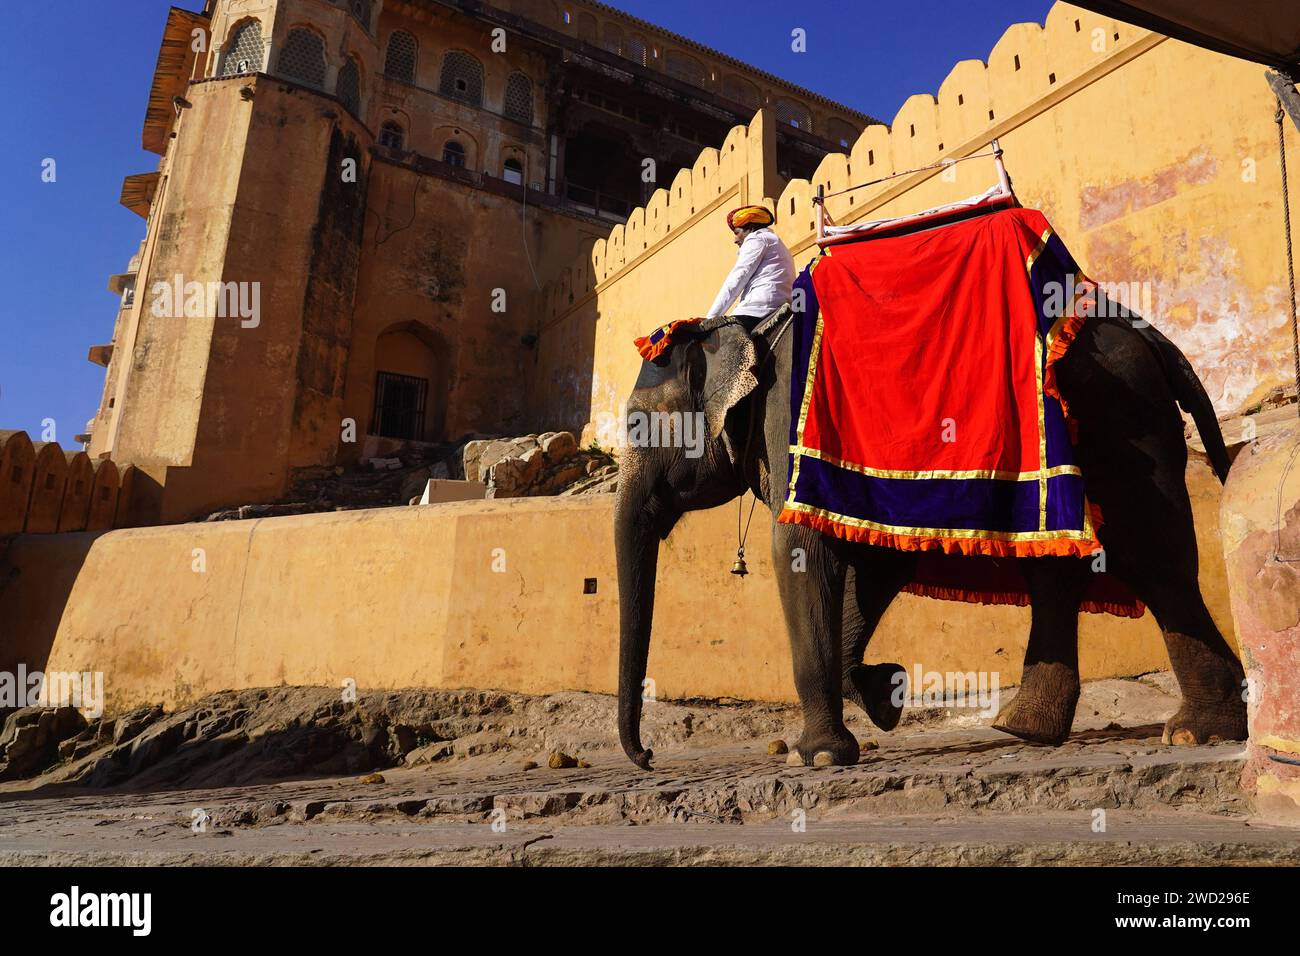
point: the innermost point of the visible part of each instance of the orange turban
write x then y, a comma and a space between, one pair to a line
750, 215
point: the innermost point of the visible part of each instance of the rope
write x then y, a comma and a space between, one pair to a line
907, 172
1290, 251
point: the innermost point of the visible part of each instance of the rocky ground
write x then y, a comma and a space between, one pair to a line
298, 776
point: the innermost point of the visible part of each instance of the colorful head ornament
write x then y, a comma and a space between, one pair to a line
750, 216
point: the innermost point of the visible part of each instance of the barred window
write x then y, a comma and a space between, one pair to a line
349, 87
519, 99
462, 78
742, 91
613, 39
243, 49
303, 58
791, 113
453, 153
636, 50
587, 28
686, 68
392, 135
400, 61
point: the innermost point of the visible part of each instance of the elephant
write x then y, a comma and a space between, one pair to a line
1124, 383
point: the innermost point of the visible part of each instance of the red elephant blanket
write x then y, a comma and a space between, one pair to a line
924, 411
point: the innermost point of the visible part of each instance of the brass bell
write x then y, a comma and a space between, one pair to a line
739, 568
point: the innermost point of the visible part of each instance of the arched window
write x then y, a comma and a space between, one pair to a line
400, 61
303, 58
462, 78
392, 135
243, 49
514, 172
587, 28
636, 51
790, 113
613, 38
839, 131
349, 87
686, 68
742, 91
453, 154
519, 99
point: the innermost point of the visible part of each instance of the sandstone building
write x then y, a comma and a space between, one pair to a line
369, 196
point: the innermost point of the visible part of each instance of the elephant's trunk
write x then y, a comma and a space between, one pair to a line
637, 524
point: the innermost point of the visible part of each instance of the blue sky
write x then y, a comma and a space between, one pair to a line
77, 84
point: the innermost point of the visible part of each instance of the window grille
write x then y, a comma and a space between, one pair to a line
613, 41
392, 135
742, 91
360, 10
519, 99
243, 50
453, 154
686, 68
587, 28
636, 51
400, 61
303, 58
790, 113
462, 78
399, 406
349, 87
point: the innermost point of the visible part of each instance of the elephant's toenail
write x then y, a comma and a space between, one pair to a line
777, 747
794, 760
1183, 738
824, 758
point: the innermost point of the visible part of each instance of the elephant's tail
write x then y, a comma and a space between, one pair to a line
1191, 397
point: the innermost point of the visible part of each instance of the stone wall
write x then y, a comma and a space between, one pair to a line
44, 489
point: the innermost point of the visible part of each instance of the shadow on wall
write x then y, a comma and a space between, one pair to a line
38, 599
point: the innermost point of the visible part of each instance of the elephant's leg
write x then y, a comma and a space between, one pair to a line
1043, 709
812, 596
873, 581
1162, 570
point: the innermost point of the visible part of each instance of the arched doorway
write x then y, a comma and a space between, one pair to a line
410, 397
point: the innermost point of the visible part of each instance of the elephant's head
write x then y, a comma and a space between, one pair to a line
682, 454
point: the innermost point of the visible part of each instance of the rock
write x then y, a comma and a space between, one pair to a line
30, 739
530, 765
429, 753
777, 747
132, 724
868, 745
558, 447
560, 761
372, 778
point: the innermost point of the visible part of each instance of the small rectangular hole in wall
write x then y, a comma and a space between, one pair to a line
104, 493
871, 157
913, 127
1017, 61
588, 585
990, 114
1051, 77
1077, 26
18, 474
941, 147
961, 99
49, 482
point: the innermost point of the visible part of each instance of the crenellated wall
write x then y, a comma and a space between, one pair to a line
1156, 161
44, 489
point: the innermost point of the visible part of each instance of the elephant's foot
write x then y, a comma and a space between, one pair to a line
879, 690
1202, 723
838, 749
1043, 709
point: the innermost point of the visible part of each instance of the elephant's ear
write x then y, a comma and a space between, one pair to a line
730, 363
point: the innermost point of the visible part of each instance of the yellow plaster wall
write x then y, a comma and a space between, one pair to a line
473, 594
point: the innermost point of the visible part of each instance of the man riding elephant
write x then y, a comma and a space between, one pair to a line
762, 279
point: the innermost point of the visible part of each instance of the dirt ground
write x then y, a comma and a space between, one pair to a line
298, 776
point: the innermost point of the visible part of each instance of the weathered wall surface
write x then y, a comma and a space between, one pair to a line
1157, 163
409, 597
44, 489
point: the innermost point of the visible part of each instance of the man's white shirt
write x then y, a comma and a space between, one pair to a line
763, 277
